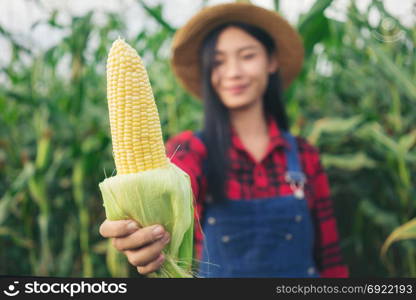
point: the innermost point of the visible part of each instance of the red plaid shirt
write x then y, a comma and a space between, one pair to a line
250, 179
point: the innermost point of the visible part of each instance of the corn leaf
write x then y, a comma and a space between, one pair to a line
404, 232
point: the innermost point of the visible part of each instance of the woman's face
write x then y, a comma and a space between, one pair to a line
241, 69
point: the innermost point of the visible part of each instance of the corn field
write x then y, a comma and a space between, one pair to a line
353, 100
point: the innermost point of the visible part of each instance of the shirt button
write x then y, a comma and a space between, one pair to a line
211, 220
298, 218
288, 236
311, 270
225, 238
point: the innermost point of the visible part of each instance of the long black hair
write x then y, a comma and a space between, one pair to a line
216, 129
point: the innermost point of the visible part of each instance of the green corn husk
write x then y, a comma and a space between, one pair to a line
159, 196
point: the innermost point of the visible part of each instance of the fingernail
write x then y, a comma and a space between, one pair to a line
161, 258
157, 232
132, 225
166, 239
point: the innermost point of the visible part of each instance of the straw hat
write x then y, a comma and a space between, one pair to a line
188, 39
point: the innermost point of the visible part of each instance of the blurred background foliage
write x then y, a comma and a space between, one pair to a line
353, 101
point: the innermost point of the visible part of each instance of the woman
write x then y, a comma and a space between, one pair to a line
262, 196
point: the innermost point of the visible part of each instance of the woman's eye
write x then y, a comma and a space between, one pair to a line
249, 56
217, 63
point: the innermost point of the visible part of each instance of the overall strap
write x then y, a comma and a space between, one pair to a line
294, 171
292, 154
200, 135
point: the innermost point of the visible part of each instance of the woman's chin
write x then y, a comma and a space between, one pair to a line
240, 106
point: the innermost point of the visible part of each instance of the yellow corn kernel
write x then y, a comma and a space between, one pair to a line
134, 119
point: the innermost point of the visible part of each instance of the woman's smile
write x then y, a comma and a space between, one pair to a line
237, 89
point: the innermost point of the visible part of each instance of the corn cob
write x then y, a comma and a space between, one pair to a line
134, 120
148, 187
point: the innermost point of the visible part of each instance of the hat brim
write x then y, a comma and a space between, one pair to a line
187, 41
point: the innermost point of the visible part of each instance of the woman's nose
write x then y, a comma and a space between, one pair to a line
233, 69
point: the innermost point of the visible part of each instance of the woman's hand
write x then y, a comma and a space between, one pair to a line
142, 246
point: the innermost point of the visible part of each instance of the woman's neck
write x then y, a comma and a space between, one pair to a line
249, 123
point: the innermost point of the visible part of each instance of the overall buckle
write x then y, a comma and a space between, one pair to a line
297, 182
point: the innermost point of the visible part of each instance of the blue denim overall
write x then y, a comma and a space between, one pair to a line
267, 237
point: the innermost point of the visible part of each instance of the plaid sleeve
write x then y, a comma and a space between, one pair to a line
327, 248
187, 152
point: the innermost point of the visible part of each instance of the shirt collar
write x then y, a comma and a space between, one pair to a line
275, 134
